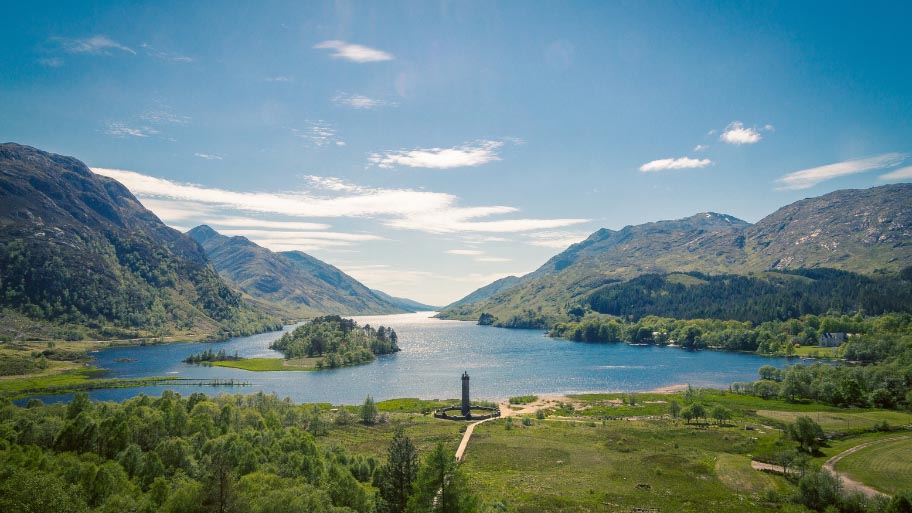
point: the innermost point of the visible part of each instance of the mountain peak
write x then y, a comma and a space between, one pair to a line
853, 230
202, 233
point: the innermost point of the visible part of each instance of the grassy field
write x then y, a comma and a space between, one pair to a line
412, 405
424, 431
273, 364
270, 364
616, 466
735, 472
827, 353
886, 466
844, 420
75, 381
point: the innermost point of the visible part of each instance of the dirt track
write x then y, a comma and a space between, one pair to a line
849, 483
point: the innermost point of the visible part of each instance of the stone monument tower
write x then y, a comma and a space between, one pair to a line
466, 406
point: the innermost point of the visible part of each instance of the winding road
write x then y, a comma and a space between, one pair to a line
847, 482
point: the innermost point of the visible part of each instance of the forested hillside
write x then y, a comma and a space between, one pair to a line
761, 297
861, 231
81, 257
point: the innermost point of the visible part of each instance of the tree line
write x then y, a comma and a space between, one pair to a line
199, 454
768, 296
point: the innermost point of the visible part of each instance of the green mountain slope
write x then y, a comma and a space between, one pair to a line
405, 303
80, 256
487, 291
758, 297
855, 230
290, 282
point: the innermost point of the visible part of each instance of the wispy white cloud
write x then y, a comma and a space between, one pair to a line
467, 252
319, 133
278, 79
461, 220
51, 62
736, 133
332, 183
807, 178
429, 212
163, 55
353, 52
555, 239
97, 45
495, 260
164, 115
904, 173
701, 147
177, 211
121, 130
359, 101
208, 156
467, 155
292, 235
670, 164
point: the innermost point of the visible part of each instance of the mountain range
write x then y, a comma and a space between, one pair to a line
853, 230
81, 257
292, 283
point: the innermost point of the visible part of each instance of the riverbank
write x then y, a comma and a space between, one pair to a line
85, 379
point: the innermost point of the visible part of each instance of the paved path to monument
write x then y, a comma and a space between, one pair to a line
505, 411
465, 438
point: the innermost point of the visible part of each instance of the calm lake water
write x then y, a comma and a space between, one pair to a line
500, 362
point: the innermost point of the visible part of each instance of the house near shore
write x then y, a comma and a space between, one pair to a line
832, 339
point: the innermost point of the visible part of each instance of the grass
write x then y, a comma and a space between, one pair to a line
424, 431
85, 378
826, 353
276, 364
412, 405
270, 364
613, 466
75, 381
523, 399
24, 384
735, 472
886, 466
845, 420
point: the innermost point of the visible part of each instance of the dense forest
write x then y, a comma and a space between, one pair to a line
772, 337
337, 342
880, 377
768, 296
879, 350
230, 454
123, 290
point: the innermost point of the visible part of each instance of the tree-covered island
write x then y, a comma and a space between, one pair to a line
337, 342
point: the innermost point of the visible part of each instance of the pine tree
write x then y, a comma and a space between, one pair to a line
396, 478
441, 486
368, 411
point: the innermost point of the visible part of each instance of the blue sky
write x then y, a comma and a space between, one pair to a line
428, 148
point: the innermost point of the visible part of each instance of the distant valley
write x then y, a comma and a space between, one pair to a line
292, 283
